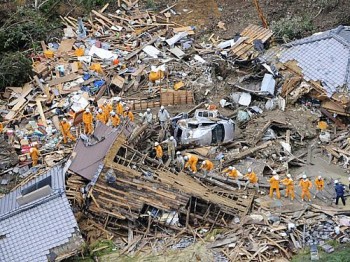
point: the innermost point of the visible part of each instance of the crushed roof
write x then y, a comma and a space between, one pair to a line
323, 57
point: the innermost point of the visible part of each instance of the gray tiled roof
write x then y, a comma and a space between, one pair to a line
323, 57
31, 233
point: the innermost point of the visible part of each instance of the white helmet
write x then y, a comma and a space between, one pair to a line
319, 177
87, 110
178, 153
186, 158
105, 102
203, 163
156, 144
112, 113
274, 172
162, 108
100, 111
64, 119
288, 175
117, 99
171, 138
249, 170
304, 176
277, 177
336, 181
148, 110
127, 108
230, 168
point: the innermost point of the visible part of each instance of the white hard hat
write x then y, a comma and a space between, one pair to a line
203, 163
148, 110
274, 172
186, 158
64, 119
100, 110
304, 176
319, 177
336, 181
288, 175
105, 102
249, 170
127, 108
277, 177
162, 107
117, 99
230, 168
87, 110
171, 138
112, 113
156, 144
178, 153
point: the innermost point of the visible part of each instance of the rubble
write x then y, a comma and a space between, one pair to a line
118, 186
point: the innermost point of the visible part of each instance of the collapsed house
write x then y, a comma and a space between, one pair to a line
36, 221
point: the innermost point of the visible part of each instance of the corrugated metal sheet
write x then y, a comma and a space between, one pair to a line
9, 204
245, 49
88, 158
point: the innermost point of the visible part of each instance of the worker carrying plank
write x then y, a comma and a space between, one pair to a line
207, 166
34, 154
159, 152
252, 179
191, 162
100, 116
289, 183
275, 185
319, 184
65, 130
114, 119
305, 185
232, 173
87, 120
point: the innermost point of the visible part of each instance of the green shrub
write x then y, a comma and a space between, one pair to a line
291, 28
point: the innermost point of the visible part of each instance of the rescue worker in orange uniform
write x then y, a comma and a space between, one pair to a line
289, 183
114, 118
207, 166
100, 116
159, 152
319, 183
34, 154
87, 120
106, 108
231, 172
191, 162
275, 185
129, 114
117, 106
65, 130
305, 185
1, 127
252, 179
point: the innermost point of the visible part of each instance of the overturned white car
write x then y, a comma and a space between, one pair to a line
205, 128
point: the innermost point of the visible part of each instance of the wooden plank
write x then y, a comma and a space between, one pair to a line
66, 45
41, 112
61, 80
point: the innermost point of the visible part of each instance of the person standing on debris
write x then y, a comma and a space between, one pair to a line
1, 127
207, 166
180, 161
106, 108
129, 114
319, 183
147, 117
231, 172
114, 118
87, 120
34, 154
191, 162
118, 108
252, 179
305, 185
289, 183
275, 185
172, 144
65, 130
339, 190
100, 116
159, 152
163, 116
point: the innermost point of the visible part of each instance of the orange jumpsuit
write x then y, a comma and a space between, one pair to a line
305, 187
115, 120
65, 130
119, 109
87, 120
208, 166
319, 183
34, 154
252, 177
101, 117
130, 115
192, 163
1, 127
289, 183
274, 185
231, 173
159, 151
107, 109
